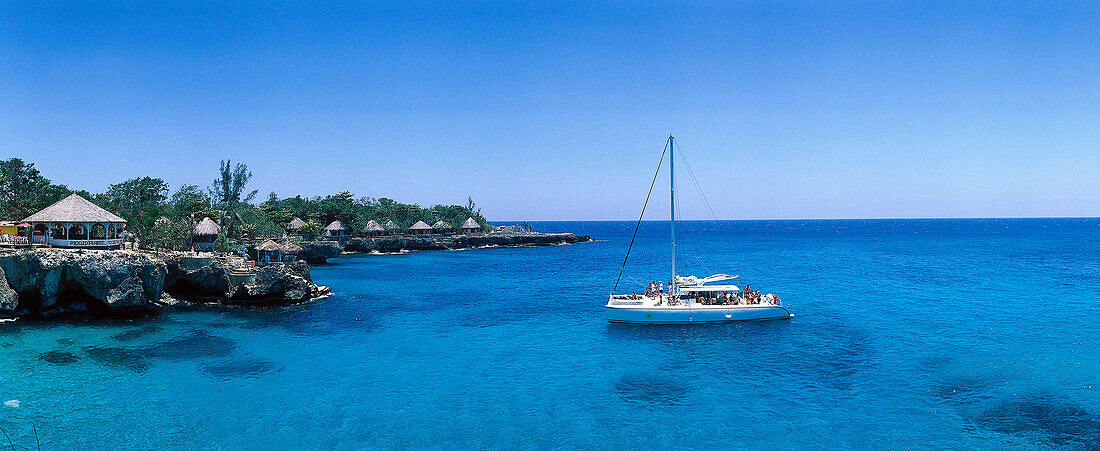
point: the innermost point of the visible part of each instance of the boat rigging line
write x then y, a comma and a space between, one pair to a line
639, 223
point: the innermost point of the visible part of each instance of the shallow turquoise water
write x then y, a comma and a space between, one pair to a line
927, 333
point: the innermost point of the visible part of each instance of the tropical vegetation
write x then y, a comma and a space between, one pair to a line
160, 218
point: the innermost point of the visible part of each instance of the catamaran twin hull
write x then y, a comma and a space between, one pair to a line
698, 313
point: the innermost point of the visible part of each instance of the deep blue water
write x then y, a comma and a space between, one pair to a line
924, 333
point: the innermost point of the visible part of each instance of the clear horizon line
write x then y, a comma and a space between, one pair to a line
897, 218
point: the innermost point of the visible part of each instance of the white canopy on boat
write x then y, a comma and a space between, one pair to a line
711, 288
692, 280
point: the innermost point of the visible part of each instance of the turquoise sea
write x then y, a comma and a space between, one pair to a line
976, 333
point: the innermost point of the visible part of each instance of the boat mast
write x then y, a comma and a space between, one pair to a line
672, 193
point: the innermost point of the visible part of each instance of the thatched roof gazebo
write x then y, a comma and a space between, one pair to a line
204, 235
206, 227
420, 228
290, 251
373, 228
76, 222
295, 224
268, 252
471, 226
441, 226
390, 226
335, 228
269, 246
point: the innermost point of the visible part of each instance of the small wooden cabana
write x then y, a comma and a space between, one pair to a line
269, 252
295, 225
290, 251
373, 228
442, 227
391, 227
471, 226
335, 229
206, 232
420, 228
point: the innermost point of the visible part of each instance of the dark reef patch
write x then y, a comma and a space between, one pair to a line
192, 345
135, 334
651, 390
66, 341
240, 368
58, 357
1049, 419
128, 358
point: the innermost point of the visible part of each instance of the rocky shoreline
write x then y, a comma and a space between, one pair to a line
320, 251
50, 283
46, 283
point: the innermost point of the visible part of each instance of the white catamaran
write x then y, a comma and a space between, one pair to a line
689, 299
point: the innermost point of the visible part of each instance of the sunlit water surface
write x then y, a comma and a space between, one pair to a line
928, 333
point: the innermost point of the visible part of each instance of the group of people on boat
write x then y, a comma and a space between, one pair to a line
747, 297
655, 289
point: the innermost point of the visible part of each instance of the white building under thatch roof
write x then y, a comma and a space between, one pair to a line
373, 228
335, 229
420, 228
391, 226
295, 224
76, 222
471, 226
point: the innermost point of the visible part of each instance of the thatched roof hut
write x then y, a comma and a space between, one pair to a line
442, 225
420, 227
295, 224
471, 225
206, 227
291, 247
74, 209
269, 246
335, 228
390, 225
373, 227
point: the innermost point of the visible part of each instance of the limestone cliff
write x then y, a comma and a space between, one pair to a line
46, 282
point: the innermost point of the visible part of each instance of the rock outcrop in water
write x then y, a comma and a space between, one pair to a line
45, 282
427, 243
319, 251
198, 279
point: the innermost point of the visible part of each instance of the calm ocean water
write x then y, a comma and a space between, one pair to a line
925, 333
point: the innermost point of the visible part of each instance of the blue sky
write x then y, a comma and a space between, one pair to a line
542, 110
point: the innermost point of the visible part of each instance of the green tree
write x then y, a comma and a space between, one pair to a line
340, 207
140, 201
173, 235
228, 188
23, 190
189, 201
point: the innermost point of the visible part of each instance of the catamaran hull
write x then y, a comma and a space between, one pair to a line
688, 315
